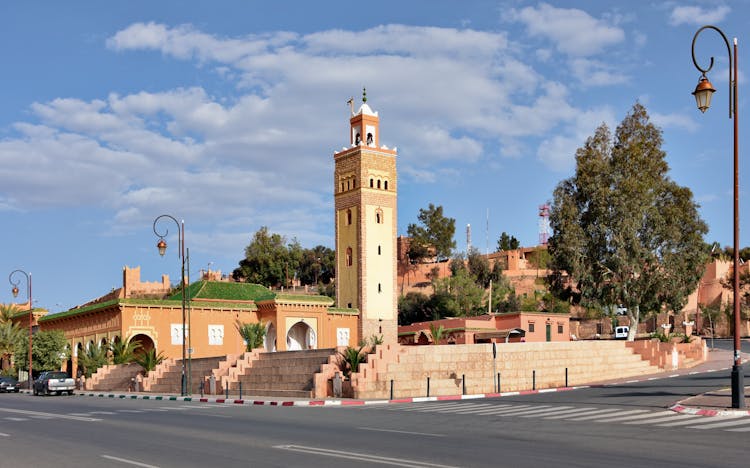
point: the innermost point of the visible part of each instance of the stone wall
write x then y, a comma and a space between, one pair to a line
471, 368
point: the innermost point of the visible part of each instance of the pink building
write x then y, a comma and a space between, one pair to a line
488, 328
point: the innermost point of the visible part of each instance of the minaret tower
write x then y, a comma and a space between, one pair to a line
365, 202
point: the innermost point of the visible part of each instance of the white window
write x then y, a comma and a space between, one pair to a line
215, 335
342, 337
176, 333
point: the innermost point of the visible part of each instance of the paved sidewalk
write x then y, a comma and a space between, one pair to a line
716, 402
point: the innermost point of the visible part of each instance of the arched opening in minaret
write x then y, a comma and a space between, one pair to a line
369, 138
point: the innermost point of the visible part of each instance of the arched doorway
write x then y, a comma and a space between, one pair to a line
301, 336
269, 341
147, 344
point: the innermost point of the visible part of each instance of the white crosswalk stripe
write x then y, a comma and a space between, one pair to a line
726, 422
657, 418
599, 411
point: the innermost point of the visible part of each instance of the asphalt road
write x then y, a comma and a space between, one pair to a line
624, 425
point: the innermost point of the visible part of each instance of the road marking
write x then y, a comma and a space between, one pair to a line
360, 456
129, 411
544, 412
38, 413
533, 409
603, 416
742, 429
600, 411
637, 416
16, 419
483, 408
400, 432
683, 422
562, 413
733, 422
666, 418
102, 412
129, 462
433, 406
500, 411
473, 408
3, 434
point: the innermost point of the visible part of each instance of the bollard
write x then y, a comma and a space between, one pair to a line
201, 388
428, 386
533, 380
391, 389
337, 384
227, 391
498, 382
240, 390
566, 377
463, 383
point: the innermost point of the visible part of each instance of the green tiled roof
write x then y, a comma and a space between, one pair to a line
225, 290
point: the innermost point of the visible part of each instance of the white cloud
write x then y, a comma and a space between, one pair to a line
680, 121
696, 15
574, 31
448, 97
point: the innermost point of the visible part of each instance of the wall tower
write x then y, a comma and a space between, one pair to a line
365, 189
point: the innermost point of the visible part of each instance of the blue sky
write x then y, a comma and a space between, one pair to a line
226, 114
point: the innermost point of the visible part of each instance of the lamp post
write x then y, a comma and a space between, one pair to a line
162, 246
702, 94
31, 308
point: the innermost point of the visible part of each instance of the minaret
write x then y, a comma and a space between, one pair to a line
365, 202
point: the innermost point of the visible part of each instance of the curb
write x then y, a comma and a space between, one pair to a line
678, 407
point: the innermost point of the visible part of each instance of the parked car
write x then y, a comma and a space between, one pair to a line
8, 384
621, 332
55, 382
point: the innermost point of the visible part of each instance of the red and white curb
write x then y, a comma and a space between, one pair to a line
350, 402
678, 408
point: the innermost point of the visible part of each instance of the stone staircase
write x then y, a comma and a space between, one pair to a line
115, 377
522, 366
280, 374
167, 377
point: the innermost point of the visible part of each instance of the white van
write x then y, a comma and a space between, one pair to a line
621, 333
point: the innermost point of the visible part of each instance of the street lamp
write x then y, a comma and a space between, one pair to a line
31, 314
162, 246
702, 94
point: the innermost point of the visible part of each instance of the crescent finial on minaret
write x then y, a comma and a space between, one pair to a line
364, 94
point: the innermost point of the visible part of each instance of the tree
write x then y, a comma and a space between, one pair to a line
413, 307
122, 352
464, 294
149, 360
252, 333
268, 260
507, 242
434, 237
479, 267
49, 350
92, 359
623, 230
318, 265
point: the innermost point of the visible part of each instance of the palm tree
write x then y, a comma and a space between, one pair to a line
122, 352
92, 359
252, 333
149, 359
7, 311
10, 333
